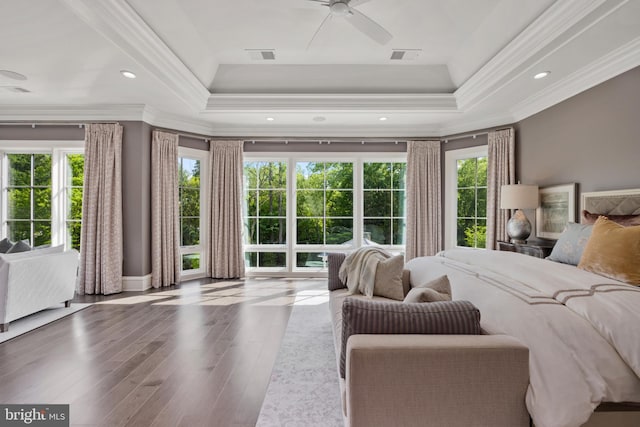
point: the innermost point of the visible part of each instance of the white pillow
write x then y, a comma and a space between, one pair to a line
436, 290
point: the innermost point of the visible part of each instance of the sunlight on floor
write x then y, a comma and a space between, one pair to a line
134, 300
226, 301
253, 291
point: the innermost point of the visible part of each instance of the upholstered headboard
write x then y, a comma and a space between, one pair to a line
618, 202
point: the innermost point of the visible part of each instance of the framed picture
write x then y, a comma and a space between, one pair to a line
557, 208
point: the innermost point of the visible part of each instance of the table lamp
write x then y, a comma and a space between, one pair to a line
519, 196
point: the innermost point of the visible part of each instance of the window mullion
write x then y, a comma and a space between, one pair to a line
31, 239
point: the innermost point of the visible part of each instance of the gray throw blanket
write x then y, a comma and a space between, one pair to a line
358, 271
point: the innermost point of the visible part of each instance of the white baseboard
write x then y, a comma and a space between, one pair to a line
136, 283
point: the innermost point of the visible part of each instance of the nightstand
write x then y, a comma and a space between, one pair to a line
540, 248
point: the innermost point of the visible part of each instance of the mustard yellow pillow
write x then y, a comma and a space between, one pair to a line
613, 251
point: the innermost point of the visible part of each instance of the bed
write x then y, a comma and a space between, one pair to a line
580, 327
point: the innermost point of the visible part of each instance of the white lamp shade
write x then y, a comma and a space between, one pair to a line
519, 196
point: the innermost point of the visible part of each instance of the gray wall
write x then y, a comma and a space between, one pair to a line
136, 177
136, 198
592, 139
343, 146
50, 133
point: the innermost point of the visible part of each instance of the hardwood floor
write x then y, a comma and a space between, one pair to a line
196, 355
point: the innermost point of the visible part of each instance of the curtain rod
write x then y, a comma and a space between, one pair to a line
35, 124
327, 141
470, 134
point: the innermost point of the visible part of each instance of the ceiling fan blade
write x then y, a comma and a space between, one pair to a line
353, 3
368, 26
322, 24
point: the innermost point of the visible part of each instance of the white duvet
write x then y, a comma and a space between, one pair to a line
581, 328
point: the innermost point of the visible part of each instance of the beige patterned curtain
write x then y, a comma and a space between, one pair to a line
100, 269
225, 258
501, 170
165, 232
424, 207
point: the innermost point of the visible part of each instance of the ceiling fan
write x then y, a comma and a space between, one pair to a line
344, 9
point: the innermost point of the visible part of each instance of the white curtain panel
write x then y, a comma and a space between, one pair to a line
100, 269
165, 221
501, 170
225, 258
424, 199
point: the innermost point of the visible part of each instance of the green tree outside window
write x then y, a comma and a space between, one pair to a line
472, 202
189, 209
29, 198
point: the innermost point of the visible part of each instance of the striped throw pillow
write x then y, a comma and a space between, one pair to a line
361, 316
334, 261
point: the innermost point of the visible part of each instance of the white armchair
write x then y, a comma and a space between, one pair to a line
35, 280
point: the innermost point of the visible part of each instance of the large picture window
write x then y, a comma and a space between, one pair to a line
466, 180
42, 193
191, 164
297, 210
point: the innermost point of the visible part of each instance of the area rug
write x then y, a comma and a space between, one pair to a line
304, 389
34, 321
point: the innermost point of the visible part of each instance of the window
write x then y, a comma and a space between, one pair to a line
74, 166
384, 203
191, 164
42, 193
466, 184
324, 210
265, 214
28, 195
298, 209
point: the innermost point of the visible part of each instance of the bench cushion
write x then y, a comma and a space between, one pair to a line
363, 316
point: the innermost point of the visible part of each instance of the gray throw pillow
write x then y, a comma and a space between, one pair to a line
569, 247
5, 245
436, 290
334, 261
388, 280
19, 246
363, 316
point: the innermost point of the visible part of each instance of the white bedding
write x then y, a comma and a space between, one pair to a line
580, 327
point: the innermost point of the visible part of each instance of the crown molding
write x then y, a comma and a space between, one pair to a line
117, 21
548, 27
258, 103
329, 131
465, 126
95, 112
162, 119
604, 68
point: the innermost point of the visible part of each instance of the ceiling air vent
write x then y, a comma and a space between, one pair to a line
405, 54
15, 89
262, 54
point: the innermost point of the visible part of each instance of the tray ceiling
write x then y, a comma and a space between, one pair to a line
473, 69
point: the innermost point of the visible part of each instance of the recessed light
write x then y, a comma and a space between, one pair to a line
542, 75
12, 75
270, 119
319, 119
382, 119
128, 74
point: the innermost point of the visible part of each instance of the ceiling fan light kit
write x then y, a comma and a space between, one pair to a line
339, 8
